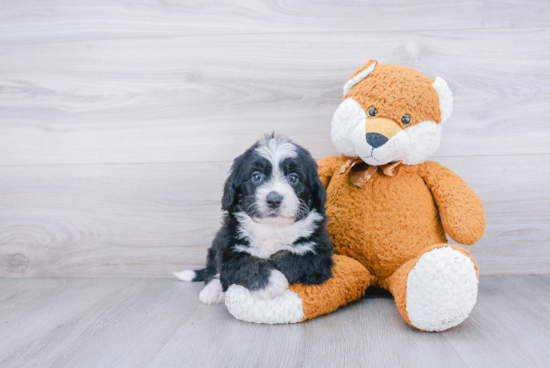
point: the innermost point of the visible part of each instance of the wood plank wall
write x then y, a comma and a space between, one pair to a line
119, 119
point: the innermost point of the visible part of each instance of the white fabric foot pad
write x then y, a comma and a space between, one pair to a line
285, 308
441, 289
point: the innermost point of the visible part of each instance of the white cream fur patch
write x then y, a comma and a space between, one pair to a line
276, 149
267, 239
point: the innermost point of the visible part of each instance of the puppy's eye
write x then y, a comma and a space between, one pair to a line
257, 177
406, 119
293, 178
372, 111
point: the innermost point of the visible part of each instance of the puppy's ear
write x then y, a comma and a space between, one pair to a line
230, 191
318, 192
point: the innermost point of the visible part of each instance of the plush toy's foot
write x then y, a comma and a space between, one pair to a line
302, 302
438, 289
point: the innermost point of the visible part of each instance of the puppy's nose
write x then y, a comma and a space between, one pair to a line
376, 139
274, 199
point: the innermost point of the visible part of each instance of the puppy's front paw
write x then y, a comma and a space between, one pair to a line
276, 286
212, 293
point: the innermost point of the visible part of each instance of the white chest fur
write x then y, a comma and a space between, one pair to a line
266, 239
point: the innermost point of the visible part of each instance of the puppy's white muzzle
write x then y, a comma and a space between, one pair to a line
287, 208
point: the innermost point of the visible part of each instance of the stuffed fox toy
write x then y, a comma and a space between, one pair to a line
389, 209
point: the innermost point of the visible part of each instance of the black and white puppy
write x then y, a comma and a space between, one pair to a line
274, 228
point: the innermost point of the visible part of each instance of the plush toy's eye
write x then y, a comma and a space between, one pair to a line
406, 119
257, 177
293, 178
372, 111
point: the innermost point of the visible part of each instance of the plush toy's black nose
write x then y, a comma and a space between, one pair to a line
376, 139
274, 199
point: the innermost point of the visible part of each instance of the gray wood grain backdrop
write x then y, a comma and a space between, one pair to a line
118, 120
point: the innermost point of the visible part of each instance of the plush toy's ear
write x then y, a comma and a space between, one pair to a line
445, 98
359, 75
317, 194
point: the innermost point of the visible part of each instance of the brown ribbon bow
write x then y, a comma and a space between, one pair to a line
360, 173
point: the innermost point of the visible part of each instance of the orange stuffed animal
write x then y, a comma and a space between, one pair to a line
389, 209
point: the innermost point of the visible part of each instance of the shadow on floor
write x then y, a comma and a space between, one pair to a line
375, 292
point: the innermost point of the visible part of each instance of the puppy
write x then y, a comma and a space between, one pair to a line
274, 228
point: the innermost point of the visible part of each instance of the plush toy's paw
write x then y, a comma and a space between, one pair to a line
276, 286
285, 308
441, 289
302, 302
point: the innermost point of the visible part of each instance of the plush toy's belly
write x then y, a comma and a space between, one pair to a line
385, 223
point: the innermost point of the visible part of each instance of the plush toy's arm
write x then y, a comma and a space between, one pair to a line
461, 209
326, 169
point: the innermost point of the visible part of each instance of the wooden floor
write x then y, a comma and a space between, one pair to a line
160, 323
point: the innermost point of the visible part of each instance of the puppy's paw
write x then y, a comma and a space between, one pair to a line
212, 293
277, 285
